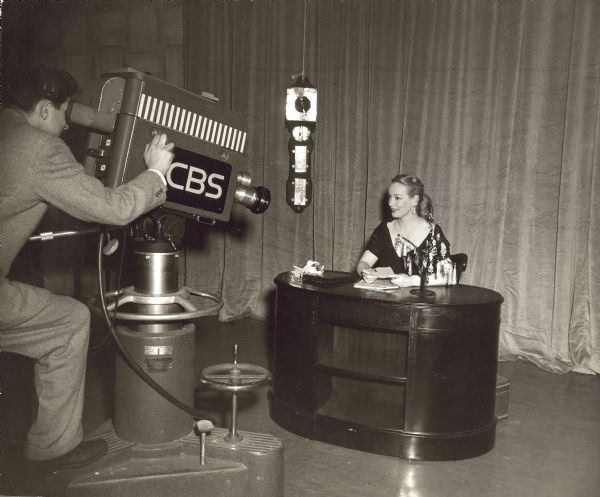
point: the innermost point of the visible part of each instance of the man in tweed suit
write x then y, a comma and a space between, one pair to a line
37, 169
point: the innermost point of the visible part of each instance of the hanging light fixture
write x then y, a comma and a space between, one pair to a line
301, 120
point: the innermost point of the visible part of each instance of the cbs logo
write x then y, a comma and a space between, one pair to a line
195, 180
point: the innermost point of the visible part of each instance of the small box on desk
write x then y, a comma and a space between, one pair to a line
502, 391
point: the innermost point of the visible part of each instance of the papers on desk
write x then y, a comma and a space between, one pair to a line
383, 284
383, 274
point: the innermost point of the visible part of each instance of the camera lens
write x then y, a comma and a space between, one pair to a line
263, 200
256, 199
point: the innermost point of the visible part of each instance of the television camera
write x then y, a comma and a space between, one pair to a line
125, 108
158, 442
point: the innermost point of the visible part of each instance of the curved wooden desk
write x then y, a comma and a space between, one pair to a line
387, 372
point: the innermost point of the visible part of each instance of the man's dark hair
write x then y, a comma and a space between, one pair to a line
25, 87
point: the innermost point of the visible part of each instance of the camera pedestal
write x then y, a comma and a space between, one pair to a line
153, 448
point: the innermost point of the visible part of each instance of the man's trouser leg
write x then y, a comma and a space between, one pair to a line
54, 331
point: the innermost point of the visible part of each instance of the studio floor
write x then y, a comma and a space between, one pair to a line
548, 446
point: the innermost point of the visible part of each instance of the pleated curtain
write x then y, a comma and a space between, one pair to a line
493, 104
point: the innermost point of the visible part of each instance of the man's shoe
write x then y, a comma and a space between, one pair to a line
85, 453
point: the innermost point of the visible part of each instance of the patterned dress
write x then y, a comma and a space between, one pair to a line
402, 255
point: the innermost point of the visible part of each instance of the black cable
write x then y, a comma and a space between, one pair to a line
119, 277
127, 356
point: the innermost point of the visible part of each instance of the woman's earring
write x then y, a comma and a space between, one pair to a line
413, 210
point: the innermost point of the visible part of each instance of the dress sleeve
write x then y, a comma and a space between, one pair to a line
61, 181
374, 245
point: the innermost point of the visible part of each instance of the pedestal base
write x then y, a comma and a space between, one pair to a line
253, 466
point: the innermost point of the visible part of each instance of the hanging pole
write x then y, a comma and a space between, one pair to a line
304, 43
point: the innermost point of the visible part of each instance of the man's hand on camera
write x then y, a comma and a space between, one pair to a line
158, 154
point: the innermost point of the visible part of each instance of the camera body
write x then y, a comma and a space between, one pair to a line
125, 108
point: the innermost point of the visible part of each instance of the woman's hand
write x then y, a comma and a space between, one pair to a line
365, 264
368, 275
365, 271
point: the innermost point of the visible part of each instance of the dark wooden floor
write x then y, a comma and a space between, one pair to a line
549, 446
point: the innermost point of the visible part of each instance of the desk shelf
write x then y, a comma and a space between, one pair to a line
359, 352
351, 368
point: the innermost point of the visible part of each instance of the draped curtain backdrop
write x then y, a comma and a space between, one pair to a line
493, 104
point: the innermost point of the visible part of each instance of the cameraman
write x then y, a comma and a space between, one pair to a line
37, 168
